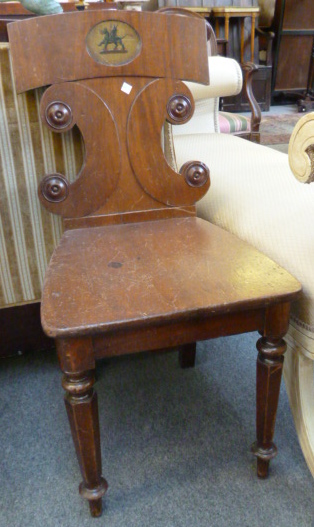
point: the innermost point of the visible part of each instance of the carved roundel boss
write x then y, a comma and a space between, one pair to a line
113, 43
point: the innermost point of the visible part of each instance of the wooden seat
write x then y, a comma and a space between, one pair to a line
135, 269
144, 274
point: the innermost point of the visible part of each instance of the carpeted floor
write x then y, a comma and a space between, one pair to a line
277, 129
175, 443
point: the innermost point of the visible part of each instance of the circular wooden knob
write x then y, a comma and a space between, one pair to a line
54, 188
179, 108
196, 173
58, 115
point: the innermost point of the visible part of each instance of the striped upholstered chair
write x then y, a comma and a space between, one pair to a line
28, 234
245, 126
234, 123
226, 79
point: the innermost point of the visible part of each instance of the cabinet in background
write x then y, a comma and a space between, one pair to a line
293, 26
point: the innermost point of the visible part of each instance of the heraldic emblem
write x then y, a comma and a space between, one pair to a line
113, 43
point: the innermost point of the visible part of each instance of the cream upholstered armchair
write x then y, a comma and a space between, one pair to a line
255, 195
226, 79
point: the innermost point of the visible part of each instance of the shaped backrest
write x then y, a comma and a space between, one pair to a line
117, 76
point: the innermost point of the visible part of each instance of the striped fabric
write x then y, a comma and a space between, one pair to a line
230, 123
28, 151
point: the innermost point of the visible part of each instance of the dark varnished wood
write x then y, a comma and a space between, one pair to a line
91, 193
271, 348
187, 354
21, 331
167, 270
293, 26
176, 333
46, 41
143, 273
117, 112
249, 70
82, 409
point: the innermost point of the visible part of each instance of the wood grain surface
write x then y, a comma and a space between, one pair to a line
47, 42
137, 274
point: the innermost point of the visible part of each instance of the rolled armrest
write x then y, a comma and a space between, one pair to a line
301, 149
225, 79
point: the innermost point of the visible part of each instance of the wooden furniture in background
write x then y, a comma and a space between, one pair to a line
293, 27
260, 81
231, 47
21, 331
135, 269
215, 13
239, 13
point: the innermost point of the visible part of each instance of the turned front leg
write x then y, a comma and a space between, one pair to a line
268, 380
271, 348
82, 410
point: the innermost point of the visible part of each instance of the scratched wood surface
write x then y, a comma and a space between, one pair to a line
141, 273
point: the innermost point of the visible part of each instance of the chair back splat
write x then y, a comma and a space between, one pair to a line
109, 73
135, 270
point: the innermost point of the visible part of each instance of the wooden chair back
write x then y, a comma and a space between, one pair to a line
117, 75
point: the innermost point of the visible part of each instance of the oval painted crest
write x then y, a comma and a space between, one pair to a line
113, 43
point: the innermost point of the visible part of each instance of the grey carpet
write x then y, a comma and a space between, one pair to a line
176, 445
281, 148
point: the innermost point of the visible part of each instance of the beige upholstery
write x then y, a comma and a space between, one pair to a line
225, 79
255, 195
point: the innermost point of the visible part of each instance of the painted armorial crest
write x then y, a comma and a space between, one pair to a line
113, 42
120, 65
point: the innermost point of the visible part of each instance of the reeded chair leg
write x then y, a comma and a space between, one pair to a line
187, 354
82, 410
268, 379
269, 371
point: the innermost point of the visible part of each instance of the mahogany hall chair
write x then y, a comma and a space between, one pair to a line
135, 269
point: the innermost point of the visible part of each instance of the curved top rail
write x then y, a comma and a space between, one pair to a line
165, 47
